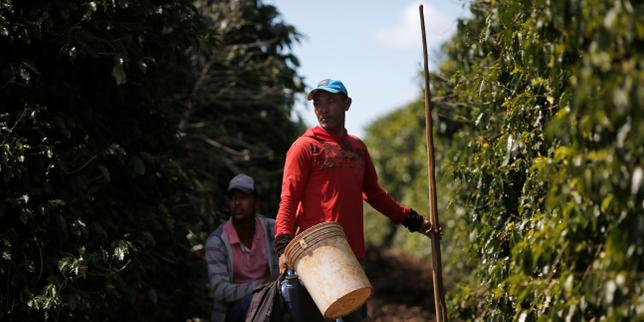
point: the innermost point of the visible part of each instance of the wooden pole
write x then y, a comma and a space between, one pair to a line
437, 271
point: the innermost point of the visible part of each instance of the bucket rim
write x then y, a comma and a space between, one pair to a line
294, 250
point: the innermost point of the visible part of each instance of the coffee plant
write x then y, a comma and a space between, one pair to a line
540, 133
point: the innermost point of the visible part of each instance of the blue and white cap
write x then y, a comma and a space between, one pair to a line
332, 86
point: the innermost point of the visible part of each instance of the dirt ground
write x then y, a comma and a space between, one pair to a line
402, 287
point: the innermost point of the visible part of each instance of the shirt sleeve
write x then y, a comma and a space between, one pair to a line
377, 197
223, 289
296, 174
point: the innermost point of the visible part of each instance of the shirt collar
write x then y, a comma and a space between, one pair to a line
233, 237
324, 135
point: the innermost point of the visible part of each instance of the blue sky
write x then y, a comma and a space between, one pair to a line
374, 47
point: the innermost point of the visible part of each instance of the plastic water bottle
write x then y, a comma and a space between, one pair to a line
298, 300
290, 292
288, 286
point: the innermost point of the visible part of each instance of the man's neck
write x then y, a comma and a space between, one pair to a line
336, 132
245, 230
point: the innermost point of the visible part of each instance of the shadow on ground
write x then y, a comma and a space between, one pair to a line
402, 287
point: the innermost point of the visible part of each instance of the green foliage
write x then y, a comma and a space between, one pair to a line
546, 199
401, 164
237, 116
101, 175
88, 181
398, 163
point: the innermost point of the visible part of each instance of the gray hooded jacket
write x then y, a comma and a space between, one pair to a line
220, 268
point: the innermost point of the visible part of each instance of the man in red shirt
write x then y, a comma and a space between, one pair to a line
327, 175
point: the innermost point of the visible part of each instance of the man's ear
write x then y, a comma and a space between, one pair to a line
347, 103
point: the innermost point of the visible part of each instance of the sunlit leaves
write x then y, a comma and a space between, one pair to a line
48, 300
121, 249
548, 166
567, 127
71, 267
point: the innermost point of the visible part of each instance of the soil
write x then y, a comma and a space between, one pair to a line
402, 287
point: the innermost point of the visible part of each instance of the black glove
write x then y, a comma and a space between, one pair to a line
281, 242
413, 221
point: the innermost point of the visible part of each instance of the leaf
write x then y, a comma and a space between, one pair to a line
121, 250
607, 202
105, 172
118, 72
152, 294
137, 165
562, 153
516, 70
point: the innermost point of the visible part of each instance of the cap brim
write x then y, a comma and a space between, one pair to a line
244, 190
326, 89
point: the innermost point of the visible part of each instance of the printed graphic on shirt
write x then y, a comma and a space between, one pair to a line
333, 155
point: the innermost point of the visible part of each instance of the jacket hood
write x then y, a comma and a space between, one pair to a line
322, 135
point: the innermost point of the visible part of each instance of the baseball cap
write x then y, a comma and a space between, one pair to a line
333, 86
242, 183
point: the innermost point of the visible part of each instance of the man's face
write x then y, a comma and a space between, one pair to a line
242, 205
330, 110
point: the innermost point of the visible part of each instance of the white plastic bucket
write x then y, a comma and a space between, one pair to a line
329, 270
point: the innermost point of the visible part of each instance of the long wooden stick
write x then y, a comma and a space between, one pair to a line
437, 271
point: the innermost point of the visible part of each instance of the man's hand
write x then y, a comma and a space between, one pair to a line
428, 229
283, 263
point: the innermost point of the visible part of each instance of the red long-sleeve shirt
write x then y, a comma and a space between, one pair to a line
325, 180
